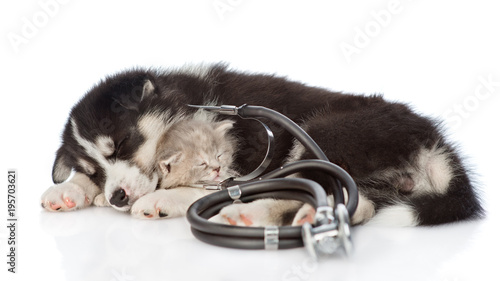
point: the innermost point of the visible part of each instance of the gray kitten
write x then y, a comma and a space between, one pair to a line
193, 151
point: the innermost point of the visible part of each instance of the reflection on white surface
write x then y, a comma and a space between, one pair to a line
103, 244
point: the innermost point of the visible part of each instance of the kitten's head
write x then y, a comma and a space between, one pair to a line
192, 151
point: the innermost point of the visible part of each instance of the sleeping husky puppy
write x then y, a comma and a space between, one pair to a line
405, 170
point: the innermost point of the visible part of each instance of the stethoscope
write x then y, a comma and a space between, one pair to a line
330, 231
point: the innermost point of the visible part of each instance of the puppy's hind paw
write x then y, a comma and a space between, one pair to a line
256, 213
305, 214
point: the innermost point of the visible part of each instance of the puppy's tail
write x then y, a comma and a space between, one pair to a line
441, 192
459, 202
451, 196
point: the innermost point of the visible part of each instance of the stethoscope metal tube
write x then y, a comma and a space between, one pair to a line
331, 229
267, 158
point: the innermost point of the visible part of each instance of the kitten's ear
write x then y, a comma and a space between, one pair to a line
165, 163
224, 126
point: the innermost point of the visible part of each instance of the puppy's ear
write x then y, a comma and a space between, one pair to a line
143, 90
167, 162
61, 170
148, 89
224, 126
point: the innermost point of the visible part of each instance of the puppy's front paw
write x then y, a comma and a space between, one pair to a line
157, 205
65, 197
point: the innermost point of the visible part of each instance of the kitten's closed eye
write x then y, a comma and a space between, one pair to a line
224, 154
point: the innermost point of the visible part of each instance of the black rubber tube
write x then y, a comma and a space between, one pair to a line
200, 206
244, 243
250, 111
253, 243
327, 167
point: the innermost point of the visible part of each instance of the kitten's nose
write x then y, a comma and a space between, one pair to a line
217, 169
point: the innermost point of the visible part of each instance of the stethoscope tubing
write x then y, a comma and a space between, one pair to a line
271, 185
244, 237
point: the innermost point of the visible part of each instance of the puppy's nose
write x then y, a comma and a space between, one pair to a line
119, 198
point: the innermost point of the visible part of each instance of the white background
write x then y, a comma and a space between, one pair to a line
434, 55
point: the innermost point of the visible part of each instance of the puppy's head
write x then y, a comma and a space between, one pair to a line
109, 138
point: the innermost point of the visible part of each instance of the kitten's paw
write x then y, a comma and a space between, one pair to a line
65, 197
157, 205
256, 213
305, 214
100, 201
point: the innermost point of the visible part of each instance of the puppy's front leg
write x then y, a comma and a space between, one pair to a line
77, 193
167, 203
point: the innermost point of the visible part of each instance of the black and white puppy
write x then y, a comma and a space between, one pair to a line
406, 171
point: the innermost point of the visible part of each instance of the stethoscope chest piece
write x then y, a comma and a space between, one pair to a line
327, 239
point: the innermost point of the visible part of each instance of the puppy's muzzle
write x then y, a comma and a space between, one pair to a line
119, 198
